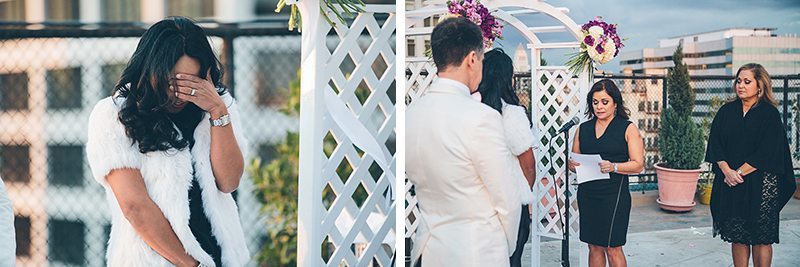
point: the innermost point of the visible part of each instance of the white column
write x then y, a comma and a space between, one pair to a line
153, 10
233, 11
309, 234
90, 11
536, 238
34, 11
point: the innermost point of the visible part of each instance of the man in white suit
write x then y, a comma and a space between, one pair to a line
458, 161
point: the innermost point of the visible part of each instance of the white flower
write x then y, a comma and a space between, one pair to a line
595, 31
610, 49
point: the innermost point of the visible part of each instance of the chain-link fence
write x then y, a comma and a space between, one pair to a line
50, 80
645, 97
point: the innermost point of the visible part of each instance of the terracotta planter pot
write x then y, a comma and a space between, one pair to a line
676, 188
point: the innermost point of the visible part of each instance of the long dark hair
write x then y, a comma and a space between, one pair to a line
495, 87
147, 76
611, 89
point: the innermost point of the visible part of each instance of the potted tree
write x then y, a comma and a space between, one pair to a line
681, 142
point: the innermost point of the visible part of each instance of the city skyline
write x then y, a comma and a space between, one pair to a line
642, 23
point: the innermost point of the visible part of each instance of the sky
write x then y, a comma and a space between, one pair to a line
643, 23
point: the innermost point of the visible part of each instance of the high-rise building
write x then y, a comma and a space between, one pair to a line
719, 53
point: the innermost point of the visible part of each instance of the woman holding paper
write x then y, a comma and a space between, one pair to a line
605, 204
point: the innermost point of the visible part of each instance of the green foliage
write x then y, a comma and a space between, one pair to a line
681, 140
276, 188
681, 95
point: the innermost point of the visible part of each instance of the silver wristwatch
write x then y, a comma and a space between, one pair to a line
224, 120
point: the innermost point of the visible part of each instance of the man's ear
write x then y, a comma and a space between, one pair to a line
471, 58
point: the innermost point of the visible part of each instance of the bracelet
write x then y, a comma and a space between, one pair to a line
615, 168
740, 172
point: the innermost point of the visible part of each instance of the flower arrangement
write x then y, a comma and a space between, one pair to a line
476, 12
599, 45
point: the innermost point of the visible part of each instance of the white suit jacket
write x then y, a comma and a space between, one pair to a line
463, 172
168, 177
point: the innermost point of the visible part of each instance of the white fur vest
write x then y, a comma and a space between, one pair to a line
168, 177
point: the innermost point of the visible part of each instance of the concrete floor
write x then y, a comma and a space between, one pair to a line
661, 238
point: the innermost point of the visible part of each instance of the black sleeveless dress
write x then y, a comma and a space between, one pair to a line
605, 205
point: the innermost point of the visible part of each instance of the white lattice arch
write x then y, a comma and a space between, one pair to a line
557, 96
347, 122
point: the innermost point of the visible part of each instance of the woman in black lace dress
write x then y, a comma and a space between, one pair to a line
754, 177
605, 205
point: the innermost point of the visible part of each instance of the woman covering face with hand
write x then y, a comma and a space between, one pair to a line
168, 149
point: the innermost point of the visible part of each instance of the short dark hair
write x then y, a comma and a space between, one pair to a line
453, 39
612, 90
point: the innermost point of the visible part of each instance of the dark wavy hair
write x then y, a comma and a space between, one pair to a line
144, 82
495, 87
612, 90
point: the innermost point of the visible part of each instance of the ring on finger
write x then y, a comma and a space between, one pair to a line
193, 92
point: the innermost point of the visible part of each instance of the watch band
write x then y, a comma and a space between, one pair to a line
224, 120
615, 168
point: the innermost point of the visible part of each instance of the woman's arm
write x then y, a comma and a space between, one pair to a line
635, 151
528, 165
227, 161
145, 217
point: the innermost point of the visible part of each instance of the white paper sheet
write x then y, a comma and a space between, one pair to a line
589, 170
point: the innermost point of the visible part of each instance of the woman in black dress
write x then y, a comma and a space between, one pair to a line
754, 177
605, 205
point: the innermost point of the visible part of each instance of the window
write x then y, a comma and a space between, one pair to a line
641, 124
655, 106
111, 75
192, 8
62, 10
12, 10
122, 10
641, 106
14, 95
64, 88
65, 164
275, 71
66, 241
410, 47
15, 163
22, 228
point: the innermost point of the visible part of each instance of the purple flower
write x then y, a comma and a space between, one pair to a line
588, 40
599, 48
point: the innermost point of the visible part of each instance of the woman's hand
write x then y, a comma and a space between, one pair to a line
732, 178
572, 164
606, 166
201, 92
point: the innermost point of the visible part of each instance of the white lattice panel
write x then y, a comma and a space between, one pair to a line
337, 226
420, 74
556, 98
